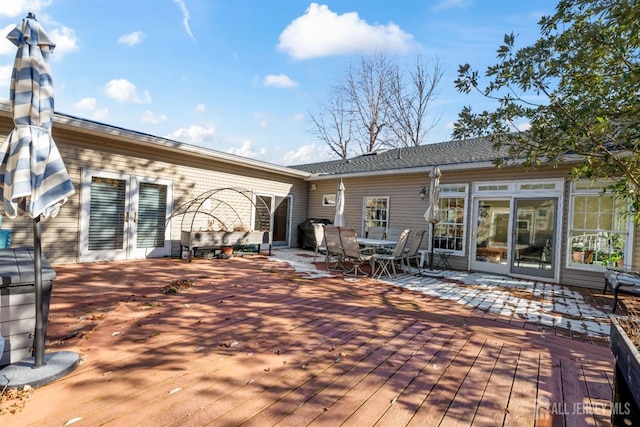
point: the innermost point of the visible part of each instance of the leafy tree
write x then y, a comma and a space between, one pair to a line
577, 91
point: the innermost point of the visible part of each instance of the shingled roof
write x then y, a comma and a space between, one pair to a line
451, 153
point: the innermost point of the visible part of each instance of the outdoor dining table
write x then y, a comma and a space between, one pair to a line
376, 243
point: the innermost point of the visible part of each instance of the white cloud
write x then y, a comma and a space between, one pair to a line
196, 135
6, 47
263, 123
201, 108
247, 150
100, 114
65, 40
451, 4
152, 118
5, 75
310, 153
132, 38
298, 117
185, 18
17, 8
124, 91
280, 80
88, 104
321, 32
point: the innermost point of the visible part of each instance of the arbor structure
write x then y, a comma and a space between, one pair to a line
572, 95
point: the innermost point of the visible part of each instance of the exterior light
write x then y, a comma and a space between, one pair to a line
424, 192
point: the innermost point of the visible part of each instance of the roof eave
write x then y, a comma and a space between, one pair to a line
88, 127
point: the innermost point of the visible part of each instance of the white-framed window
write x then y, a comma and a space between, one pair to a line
375, 213
328, 200
599, 232
449, 233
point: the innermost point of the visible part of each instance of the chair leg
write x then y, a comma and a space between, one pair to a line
356, 271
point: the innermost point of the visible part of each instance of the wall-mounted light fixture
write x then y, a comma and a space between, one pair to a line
424, 192
313, 187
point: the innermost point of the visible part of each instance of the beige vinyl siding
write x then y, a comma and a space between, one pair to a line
191, 176
406, 208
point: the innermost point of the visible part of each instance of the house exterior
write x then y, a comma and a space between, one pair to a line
130, 187
136, 194
523, 223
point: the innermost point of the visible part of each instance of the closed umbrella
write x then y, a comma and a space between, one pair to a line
432, 215
31, 169
339, 218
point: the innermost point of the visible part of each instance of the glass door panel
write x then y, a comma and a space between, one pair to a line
534, 237
281, 222
123, 217
490, 238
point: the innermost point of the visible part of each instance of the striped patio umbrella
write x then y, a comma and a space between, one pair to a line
432, 215
33, 178
31, 165
338, 219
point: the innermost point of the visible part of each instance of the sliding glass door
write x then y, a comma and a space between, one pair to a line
534, 241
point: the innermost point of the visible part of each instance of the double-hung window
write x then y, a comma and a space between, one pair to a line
449, 232
376, 213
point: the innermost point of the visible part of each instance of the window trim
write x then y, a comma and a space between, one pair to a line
455, 194
591, 190
328, 200
364, 212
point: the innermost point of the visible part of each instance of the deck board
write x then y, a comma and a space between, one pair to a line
254, 342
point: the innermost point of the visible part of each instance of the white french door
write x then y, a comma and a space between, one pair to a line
124, 217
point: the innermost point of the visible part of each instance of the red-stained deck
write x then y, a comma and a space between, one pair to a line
254, 343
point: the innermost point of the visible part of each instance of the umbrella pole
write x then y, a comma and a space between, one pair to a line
432, 242
37, 266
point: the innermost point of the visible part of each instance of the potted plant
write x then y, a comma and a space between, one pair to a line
616, 259
578, 254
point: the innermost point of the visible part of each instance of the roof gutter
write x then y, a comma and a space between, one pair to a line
89, 127
417, 170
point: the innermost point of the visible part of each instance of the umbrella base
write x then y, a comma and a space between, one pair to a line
432, 273
56, 366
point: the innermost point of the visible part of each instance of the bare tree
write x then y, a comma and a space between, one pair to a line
409, 102
376, 106
367, 87
333, 124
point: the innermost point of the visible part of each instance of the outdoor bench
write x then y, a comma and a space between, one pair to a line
621, 281
193, 241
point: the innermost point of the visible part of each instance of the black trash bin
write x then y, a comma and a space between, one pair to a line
306, 236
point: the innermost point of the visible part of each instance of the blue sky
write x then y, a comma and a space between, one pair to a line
241, 76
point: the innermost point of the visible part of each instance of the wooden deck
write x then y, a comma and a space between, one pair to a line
254, 343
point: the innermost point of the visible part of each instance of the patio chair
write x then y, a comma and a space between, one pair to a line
393, 233
352, 252
318, 235
375, 233
413, 252
334, 254
386, 263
